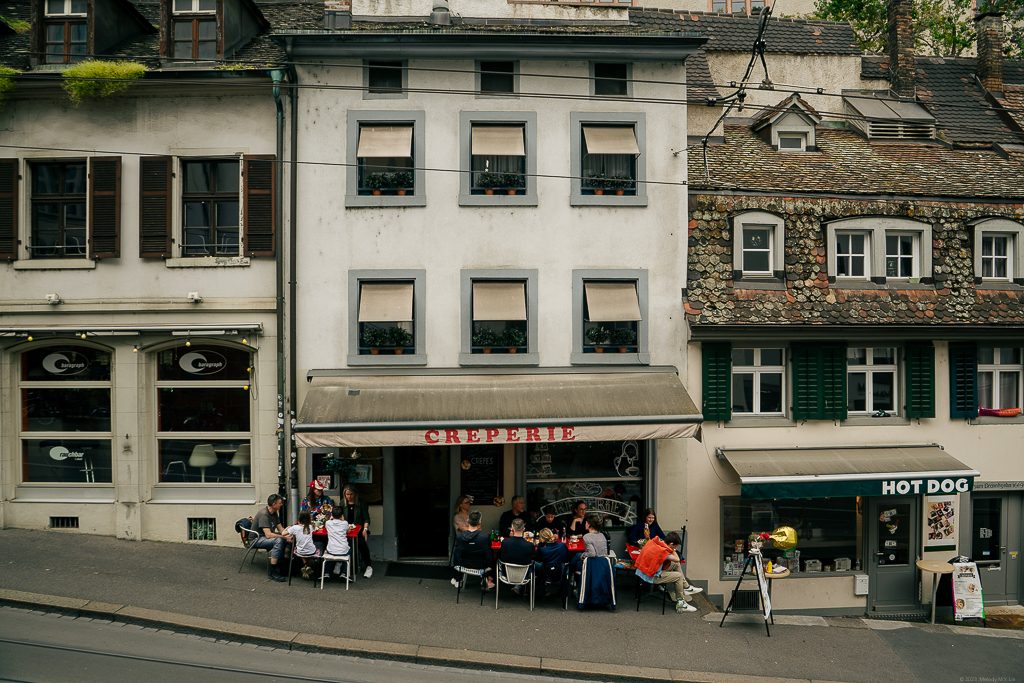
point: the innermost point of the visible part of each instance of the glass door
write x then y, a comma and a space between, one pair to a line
996, 545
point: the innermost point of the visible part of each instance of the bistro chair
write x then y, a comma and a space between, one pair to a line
643, 582
241, 459
514, 575
554, 574
595, 582
347, 559
251, 536
465, 573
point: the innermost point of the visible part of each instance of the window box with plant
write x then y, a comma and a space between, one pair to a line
619, 338
509, 183
508, 337
388, 340
599, 183
390, 183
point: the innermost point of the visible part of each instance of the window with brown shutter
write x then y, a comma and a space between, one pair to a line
8, 209
105, 207
259, 210
155, 208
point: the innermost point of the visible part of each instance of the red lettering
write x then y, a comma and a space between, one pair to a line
491, 433
551, 433
429, 438
471, 436
513, 435
533, 434
451, 436
567, 434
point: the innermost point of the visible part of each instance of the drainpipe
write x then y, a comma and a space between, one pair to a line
293, 78
277, 75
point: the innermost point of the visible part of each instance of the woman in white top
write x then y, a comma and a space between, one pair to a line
304, 548
337, 538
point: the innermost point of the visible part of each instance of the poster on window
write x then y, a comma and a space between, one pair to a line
940, 521
967, 600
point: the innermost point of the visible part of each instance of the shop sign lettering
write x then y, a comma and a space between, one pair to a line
61, 364
505, 435
204, 363
901, 487
61, 453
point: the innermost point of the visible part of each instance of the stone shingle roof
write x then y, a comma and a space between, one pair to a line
1014, 99
733, 33
848, 164
14, 48
699, 83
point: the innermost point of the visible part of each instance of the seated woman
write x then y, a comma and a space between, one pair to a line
461, 519
316, 501
550, 553
577, 525
646, 529
304, 548
595, 543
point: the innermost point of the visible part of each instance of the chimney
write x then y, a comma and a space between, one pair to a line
337, 14
990, 51
440, 15
902, 62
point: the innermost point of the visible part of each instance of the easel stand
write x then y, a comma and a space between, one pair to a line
749, 564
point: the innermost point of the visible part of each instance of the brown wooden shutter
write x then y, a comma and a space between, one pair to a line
105, 207
258, 205
155, 210
8, 209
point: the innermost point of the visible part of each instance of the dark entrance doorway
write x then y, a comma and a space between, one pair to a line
995, 545
422, 501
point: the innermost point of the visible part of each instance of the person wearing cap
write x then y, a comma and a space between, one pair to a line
316, 501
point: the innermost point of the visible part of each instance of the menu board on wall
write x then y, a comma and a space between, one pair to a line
482, 474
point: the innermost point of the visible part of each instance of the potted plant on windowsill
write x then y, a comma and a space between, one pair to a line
400, 339
623, 338
597, 182
398, 182
513, 339
486, 338
618, 183
402, 182
597, 336
375, 337
489, 182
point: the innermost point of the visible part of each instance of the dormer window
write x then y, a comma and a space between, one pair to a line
191, 6
65, 31
195, 37
789, 125
792, 142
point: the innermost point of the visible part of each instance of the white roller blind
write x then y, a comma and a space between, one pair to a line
499, 301
385, 302
610, 140
612, 301
384, 141
499, 140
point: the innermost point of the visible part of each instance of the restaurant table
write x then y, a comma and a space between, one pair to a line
576, 547
934, 568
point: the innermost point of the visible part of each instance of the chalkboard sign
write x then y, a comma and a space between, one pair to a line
483, 468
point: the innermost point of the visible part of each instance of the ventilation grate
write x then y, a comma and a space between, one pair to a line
745, 600
202, 529
899, 616
63, 522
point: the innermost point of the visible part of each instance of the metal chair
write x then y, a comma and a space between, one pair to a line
553, 573
250, 545
653, 588
347, 559
466, 572
514, 575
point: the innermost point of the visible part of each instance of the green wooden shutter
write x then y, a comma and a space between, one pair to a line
819, 382
963, 380
717, 381
919, 380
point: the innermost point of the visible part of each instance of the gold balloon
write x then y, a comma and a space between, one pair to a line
784, 537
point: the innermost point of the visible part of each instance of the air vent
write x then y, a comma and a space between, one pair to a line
880, 118
744, 600
202, 529
63, 522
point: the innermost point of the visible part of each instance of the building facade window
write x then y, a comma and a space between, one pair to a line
194, 37
611, 79
891, 249
65, 430
610, 321
853, 255
608, 164
901, 256
998, 256
204, 413
736, 6
59, 210
758, 381
497, 79
758, 245
871, 380
65, 31
999, 377
387, 311
498, 158
385, 156
792, 142
499, 313
211, 198
385, 79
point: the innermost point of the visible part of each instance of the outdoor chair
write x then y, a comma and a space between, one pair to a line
554, 574
514, 575
251, 536
347, 559
595, 582
642, 583
465, 573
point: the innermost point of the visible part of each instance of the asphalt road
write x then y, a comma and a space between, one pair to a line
45, 648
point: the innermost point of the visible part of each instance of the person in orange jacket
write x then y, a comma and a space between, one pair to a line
656, 556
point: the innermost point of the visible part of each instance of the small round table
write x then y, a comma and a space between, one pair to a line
935, 568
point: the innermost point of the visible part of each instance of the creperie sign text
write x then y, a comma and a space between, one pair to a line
492, 435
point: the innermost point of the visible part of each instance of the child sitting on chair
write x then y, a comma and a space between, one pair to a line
337, 538
304, 548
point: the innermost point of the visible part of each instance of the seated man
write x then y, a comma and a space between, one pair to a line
518, 511
548, 521
267, 522
679, 589
517, 550
472, 549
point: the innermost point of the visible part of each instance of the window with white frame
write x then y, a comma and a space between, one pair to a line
65, 426
871, 380
901, 255
757, 245
758, 386
792, 142
736, 6
996, 256
999, 377
204, 413
194, 37
756, 248
853, 255
997, 251
211, 199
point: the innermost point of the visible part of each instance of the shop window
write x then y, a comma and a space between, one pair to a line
999, 377
385, 159
498, 158
210, 207
65, 429
829, 529
608, 164
385, 79
386, 313
758, 246
611, 79
871, 380
609, 476
758, 386
204, 414
497, 79
499, 310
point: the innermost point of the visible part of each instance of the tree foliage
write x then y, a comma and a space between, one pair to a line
943, 28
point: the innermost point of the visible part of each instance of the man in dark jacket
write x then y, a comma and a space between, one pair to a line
472, 549
518, 511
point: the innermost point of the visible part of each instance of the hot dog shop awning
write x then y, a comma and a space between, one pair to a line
346, 409
848, 471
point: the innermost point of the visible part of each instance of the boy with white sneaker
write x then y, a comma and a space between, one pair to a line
337, 537
679, 589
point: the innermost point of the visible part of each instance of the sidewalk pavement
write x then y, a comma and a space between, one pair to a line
198, 588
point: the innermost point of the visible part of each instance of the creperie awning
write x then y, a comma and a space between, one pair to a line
360, 410
848, 471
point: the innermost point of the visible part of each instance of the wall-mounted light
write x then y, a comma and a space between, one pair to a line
54, 299
29, 338
135, 349
195, 298
82, 335
245, 340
